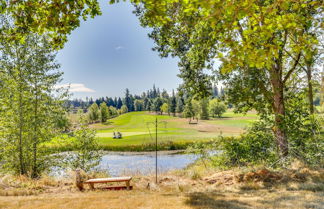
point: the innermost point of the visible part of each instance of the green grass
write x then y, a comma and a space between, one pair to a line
138, 131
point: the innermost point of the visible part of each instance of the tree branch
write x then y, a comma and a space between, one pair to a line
294, 66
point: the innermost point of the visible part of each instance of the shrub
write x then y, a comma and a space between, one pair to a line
254, 147
216, 108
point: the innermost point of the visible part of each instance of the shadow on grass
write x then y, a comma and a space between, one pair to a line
294, 201
213, 200
108, 123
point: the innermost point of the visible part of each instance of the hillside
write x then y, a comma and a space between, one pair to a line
138, 128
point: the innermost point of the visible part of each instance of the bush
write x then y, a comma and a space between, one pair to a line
255, 147
216, 108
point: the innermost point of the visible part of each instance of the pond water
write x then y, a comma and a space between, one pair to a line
133, 163
144, 163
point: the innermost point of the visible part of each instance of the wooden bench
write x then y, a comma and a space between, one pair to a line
126, 179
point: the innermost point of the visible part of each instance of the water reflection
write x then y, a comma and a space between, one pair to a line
120, 163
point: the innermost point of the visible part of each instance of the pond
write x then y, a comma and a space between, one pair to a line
144, 163
134, 163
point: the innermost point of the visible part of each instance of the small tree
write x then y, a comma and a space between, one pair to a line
123, 109
204, 115
113, 111
157, 103
164, 108
93, 112
138, 105
191, 110
216, 108
104, 112
87, 154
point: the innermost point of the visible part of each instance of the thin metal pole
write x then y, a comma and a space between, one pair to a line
156, 126
156, 150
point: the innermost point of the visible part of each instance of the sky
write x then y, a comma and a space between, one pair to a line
112, 52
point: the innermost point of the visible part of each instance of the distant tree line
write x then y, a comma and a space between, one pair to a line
153, 100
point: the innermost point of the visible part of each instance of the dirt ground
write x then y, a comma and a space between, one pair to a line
216, 199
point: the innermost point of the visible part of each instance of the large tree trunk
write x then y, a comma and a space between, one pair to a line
310, 89
279, 111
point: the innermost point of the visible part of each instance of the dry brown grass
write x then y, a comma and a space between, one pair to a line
194, 188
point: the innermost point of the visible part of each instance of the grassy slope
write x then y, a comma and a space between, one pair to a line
138, 131
138, 128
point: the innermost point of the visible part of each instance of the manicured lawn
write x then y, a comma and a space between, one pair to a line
138, 131
138, 128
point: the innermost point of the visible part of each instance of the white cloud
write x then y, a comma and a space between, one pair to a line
119, 48
76, 87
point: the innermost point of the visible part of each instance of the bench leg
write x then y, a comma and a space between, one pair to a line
92, 186
127, 185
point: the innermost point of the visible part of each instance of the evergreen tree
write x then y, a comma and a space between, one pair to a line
173, 104
110, 102
128, 100
115, 102
146, 104
180, 105
165, 94
119, 103
157, 103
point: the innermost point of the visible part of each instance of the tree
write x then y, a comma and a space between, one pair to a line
139, 105
322, 90
93, 113
215, 91
165, 94
128, 101
29, 111
196, 108
157, 103
147, 103
119, 103
216, 108
87, 154
164, 108
266, 36
188, 111
113, 111
192, 110
256, 37
173, 104
124, 109
204, 115
104, 112
180, 105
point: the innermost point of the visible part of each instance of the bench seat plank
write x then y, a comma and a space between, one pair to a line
107, 180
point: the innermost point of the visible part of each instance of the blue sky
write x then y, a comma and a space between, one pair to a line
112, 52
